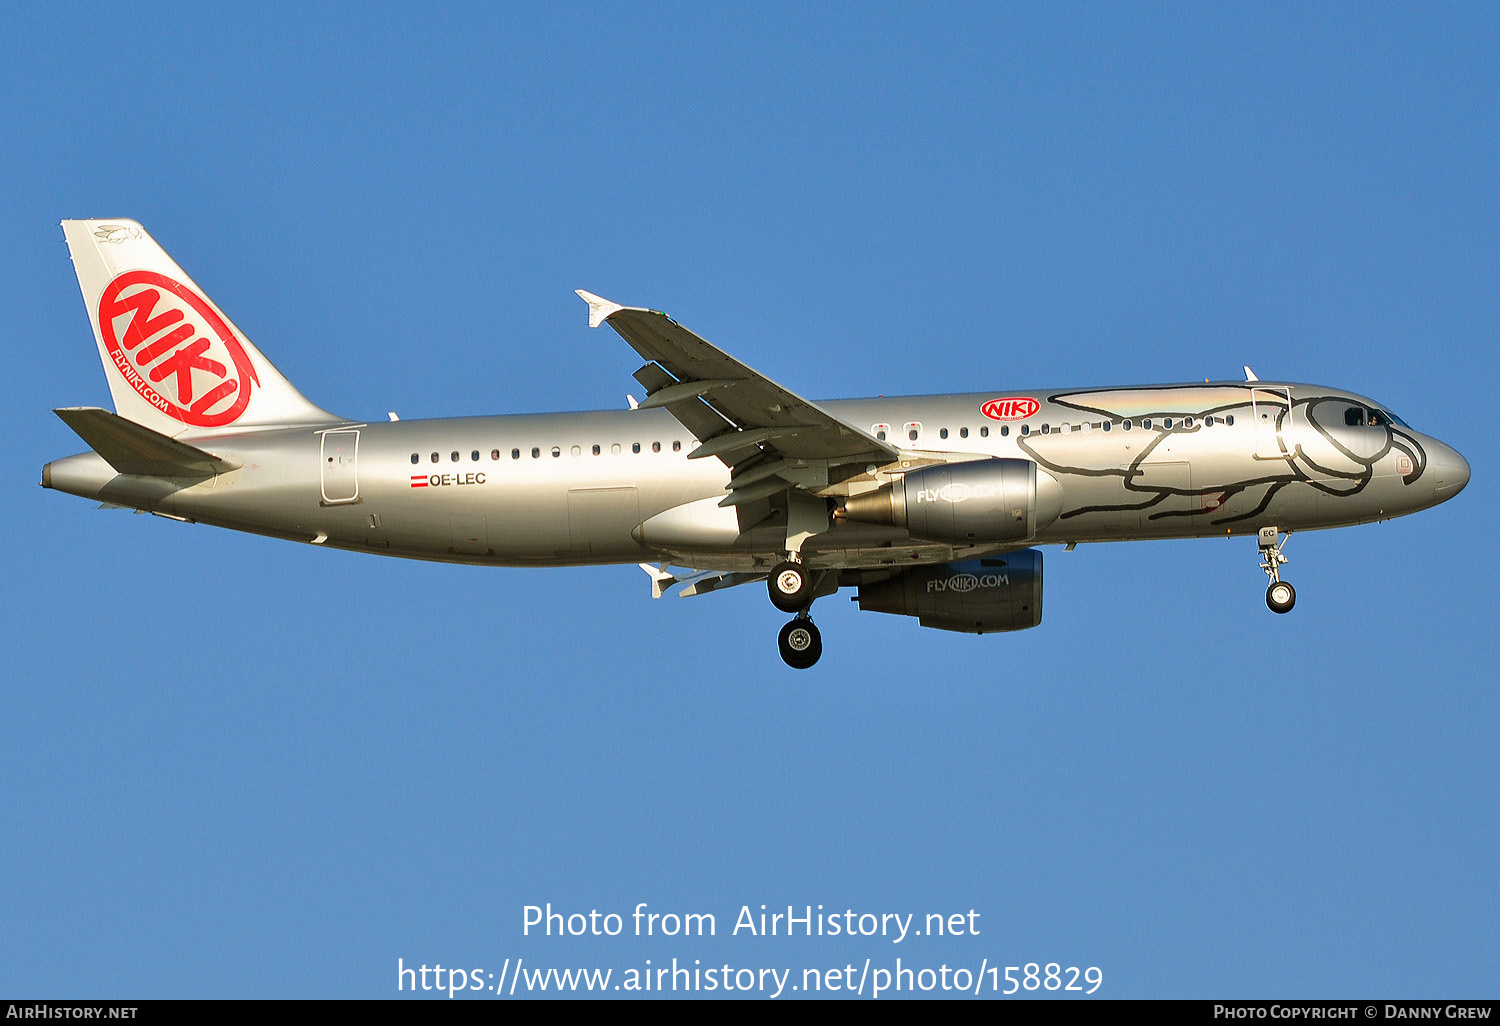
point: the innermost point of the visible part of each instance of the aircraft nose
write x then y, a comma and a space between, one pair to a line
1450, 471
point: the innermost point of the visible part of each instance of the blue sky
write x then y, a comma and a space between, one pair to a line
240, 767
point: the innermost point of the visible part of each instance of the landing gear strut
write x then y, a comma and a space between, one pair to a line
800, 642
1280, 596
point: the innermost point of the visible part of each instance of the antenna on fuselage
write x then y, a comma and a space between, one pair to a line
1250, 374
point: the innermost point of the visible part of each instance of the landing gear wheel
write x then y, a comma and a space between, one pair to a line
1280, 596
791, 587
801, 643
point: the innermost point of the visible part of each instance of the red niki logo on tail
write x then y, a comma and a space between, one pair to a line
175, 350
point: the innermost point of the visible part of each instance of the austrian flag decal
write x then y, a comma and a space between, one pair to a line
1010, 409
175, 349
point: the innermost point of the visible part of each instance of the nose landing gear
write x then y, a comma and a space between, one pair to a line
1280, 596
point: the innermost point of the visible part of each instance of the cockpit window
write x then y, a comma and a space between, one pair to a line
1358, 416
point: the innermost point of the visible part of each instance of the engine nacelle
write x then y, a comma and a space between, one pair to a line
976, 503
976, 596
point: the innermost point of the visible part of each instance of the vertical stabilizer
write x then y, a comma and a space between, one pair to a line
175, 363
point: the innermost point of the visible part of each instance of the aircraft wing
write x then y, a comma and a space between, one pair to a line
759, 428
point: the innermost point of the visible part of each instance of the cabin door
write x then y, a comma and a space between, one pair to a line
1272, 410
340, 467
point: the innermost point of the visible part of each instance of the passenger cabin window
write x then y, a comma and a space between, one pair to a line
635, 447
455, 455
596, 450
536, 453
943, 433
494, 454
676, 446
515, 454
556, 452
656, 447
474, 456
415, 458
963, 432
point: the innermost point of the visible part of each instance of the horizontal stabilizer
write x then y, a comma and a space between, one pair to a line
134, 449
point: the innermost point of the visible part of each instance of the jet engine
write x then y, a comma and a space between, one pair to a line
976, 596
976, 503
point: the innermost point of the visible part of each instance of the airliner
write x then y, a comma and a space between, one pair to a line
929, 506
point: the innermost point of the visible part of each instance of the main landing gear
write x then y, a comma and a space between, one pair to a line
791, 588
1280, 596
800, 642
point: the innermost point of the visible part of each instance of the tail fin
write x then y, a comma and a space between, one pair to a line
174, 362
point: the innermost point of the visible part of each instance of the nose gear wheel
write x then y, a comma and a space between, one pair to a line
1280, 595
